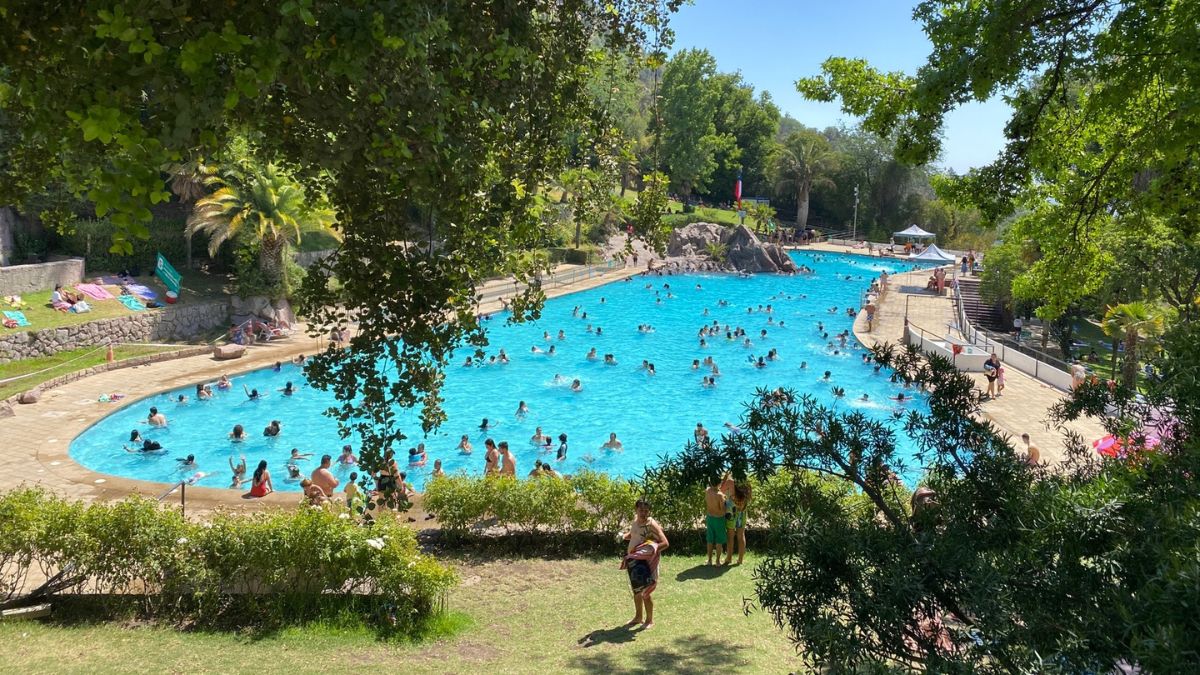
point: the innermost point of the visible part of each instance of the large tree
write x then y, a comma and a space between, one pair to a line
751, 121
434, 127
802, 161
688, 136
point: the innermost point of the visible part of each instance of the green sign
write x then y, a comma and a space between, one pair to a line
168, 274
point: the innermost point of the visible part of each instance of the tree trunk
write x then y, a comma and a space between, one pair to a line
270, 261
1131, 363
802, 206
1113, 365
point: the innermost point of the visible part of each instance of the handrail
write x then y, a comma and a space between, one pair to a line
182, 487
1001, 346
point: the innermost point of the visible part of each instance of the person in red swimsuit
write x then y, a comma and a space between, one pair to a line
261, 486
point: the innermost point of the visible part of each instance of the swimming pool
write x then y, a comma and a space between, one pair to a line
651, 415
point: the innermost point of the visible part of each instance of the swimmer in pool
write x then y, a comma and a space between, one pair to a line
522, 410
695, 364
865, 397
224, 383
186, 463
467, 362
272, 429
298, 456
577, 386
562, 447
599, 330
591, 355
610, 360
239, 472
181, 400
534, 350
146, 446
252, 394
826, 376
803, 365
551, 352
613, 445
238, 434
155, 418
347, 457
502, 357
464, 445
485, 424
288, 389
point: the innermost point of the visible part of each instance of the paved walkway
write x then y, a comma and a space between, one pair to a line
1023, 406
36, 438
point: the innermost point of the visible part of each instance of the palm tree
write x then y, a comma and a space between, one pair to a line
802, 161
1132, 323
263, 205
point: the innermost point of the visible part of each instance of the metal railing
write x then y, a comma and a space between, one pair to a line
1032, 362
556, 279
181, 486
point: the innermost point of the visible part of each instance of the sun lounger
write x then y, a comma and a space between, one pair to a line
19, 317
94, 292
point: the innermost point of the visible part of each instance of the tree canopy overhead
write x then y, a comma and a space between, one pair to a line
437, 126
1104, 93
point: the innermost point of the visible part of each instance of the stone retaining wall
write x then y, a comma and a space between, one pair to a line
20, 279
153, 325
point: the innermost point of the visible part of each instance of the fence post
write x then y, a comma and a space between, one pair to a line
183, 498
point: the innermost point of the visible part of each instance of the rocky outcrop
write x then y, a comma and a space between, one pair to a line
743, 250
260, 307
693, 240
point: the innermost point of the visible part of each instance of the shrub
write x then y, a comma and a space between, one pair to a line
91, 239
586, 502
273, 568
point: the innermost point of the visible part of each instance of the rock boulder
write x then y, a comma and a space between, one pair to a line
747, 254
693, 239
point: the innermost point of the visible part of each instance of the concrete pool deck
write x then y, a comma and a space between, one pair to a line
1024, 405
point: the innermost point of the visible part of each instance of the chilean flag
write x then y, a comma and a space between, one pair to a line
737, 190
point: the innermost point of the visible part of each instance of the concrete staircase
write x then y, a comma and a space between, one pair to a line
982, 314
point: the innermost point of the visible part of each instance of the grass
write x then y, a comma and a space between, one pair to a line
507, 616
62, 363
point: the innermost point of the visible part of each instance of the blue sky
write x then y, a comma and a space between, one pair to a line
775, 42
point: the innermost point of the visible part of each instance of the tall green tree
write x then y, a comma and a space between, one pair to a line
436, 127
802, 161
689, 140
264, 207
751, 121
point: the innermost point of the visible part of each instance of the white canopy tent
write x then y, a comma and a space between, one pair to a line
914, 231
932, 252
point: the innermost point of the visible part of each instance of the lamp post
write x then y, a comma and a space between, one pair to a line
854, 232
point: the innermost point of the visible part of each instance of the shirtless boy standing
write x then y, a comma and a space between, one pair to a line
714, 519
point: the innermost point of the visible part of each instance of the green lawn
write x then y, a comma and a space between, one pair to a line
514, 616
62, 363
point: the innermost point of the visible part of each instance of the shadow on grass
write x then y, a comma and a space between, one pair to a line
685, 654
240, 616
615, 636
702, 571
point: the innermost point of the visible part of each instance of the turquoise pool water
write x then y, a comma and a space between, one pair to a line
651, 415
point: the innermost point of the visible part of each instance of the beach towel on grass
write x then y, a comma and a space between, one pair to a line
132, 303
93, 291
19, 317
140, 290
